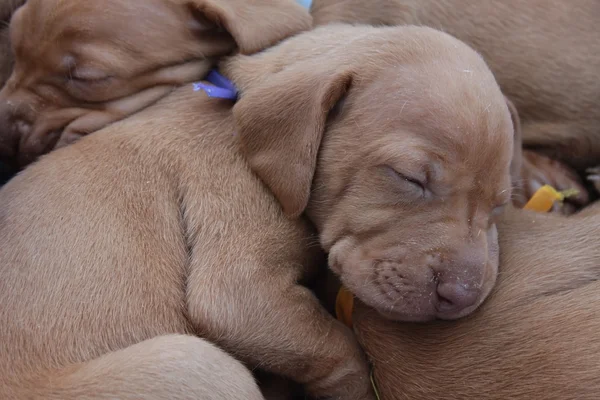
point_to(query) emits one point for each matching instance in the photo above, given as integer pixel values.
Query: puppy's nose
(455, 297)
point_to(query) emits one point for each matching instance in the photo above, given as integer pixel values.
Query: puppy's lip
(451, 316)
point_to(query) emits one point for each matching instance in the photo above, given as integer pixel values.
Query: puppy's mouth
(415, 294)
(420, 306)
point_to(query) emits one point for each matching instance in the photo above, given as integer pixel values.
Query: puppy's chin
(400, 317)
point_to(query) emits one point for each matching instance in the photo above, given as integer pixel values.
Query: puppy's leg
(259, 313)
(174, 367)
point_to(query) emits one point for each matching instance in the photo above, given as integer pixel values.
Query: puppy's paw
(593, 175)
(539, 170)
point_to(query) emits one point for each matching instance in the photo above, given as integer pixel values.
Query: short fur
(535, 338)
(158, 225)
(81, 65)
(545, 55)
(403, 177)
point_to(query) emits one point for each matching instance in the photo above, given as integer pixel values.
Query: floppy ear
(280, 124)
(254, 24)
(517, 159)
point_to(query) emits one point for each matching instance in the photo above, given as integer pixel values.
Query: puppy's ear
(517, 159)
(254, 24)
(281, 122)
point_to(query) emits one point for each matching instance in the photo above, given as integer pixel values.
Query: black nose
(455, 297)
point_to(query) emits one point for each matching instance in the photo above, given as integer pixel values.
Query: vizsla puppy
(545, 55)
(157, 227)
(81, 65)
(157, 224)
(535, 338)
(404, 179)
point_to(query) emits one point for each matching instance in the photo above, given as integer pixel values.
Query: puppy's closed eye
(409, 184)
(88, 76)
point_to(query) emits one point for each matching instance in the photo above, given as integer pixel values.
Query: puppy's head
(80, 65)
(398, 144)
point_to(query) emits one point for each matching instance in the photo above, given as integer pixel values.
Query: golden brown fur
(405, 176)
(544, 54)
(81, 65)
(154, 227)
(157, 225)
(535, 338)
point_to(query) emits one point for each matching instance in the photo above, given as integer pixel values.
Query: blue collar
(223, 88)
(220, 88)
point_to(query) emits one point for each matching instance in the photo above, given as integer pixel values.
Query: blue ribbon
(221, 87)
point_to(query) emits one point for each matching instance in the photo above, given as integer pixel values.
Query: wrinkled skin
(405, 179)
(96, 63)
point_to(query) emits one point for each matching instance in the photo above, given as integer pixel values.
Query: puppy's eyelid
(89, 75)
(420, 183)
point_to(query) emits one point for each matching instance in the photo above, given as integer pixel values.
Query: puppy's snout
(459, 283)
(455, 297)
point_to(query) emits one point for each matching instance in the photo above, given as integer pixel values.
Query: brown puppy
(535, 338)
(92, 63)
(404, 179)
(544, 54)
(157, 225)
(115, 243)
(186, 241)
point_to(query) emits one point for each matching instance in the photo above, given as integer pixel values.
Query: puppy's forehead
(457, 108)
(48, 22)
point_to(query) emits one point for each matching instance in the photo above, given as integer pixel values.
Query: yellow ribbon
(545, 197)
(344, 305)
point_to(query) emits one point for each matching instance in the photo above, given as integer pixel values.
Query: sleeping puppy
(93, 63)
(404, 177)
(159, 225)
(544, 54)
(535, 338)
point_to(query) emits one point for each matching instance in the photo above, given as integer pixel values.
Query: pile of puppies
(163, 240)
